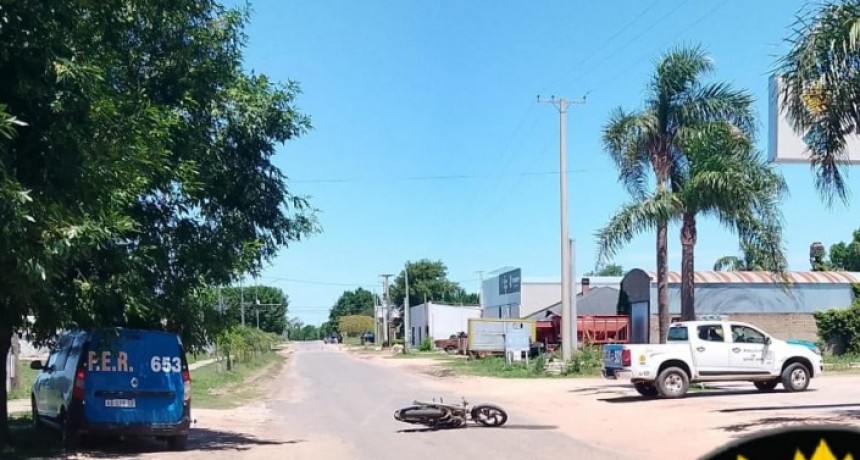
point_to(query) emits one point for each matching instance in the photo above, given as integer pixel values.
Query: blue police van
(115, 381)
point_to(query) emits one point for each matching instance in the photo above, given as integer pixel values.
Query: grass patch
(26, 377)
(842, 363)
(27, 443)
(586, 362)
(214, 387)
(422, 354)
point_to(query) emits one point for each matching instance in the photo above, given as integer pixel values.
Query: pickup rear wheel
(795, 377)
(767, 385)
(647, 390)
(673, 383)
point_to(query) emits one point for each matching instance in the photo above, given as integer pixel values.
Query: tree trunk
(688, 245)
(5, 345)
(662, 279)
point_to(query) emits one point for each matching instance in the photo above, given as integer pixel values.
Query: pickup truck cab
(712, 351)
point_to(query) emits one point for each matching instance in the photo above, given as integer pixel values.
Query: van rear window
(678, 334)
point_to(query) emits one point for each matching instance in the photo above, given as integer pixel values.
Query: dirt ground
(612, 415)
(601, 413)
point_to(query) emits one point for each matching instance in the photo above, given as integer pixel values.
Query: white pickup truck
(712, 351)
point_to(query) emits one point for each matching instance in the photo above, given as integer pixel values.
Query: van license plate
(119, 403)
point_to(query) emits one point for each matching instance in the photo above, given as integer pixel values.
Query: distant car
(368, 337)
(115, 382)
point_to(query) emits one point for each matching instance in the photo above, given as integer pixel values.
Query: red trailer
(594, 330)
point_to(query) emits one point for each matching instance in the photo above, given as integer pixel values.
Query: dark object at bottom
(833, 442)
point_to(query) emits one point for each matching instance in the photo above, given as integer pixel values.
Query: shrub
(586, 360)
(840, 328)
(426, 345)
(244, 344)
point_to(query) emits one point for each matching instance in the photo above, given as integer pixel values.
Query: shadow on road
(506, 427)
(774, 422)
(789, 407)
(696, 394)
(201, 439)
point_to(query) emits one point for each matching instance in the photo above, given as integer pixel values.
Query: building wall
(440, 321)
(724, 299)
(781, 325)
(537, 296)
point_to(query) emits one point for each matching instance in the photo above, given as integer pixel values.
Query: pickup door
(749, 353)
(711, 350)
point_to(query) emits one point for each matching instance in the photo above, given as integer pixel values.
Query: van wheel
(646, 390)
(795, 377)
(673, 383)
(767, 385)
(178, 442)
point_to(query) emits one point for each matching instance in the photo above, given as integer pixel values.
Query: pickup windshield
(677, 334)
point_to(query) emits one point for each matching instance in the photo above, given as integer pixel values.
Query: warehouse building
(439, 321)
(507, 294)
(784, 310)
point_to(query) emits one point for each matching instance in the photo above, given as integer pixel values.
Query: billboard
(502, 291)
(785, 145)
(490, 334)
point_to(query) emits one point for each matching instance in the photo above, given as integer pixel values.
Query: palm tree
(752, 259)
(647, 141)
(821, 88)
(725, 177)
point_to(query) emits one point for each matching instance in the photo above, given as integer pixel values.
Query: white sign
(491, 334)
(785, 144)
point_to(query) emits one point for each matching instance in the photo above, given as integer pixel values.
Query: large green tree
(646, 143)
(357, 302)
(607, 270)
(267, 304)
(143, 173)
(821, 87)
(842, 256)
(428, 280)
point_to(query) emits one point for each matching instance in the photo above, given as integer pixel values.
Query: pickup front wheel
(673, 383)
(795, 377)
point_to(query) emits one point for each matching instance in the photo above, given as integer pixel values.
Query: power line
(665, 43)
(416, 178)
(323, 283)
(634, 39)
(604, 43)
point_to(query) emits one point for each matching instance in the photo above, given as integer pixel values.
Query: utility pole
(574, 313)
(568, 342)
(386, 306)
(407, 331)
(242, 298)
(481, 289)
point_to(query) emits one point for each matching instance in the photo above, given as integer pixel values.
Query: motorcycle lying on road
(440, 415)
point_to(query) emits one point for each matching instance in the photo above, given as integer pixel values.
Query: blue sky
(409, 96)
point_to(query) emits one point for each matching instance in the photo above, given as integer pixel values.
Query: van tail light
(80, 383)
(625, 357)
(186, 382)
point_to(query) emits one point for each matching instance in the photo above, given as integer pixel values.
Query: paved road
(342, 407)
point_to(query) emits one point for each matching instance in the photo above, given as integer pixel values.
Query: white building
(508, 295)
(439, 321)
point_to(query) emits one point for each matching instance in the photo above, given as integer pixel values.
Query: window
(744, 334)
(678, 334)
(711, 333)
(62, 352)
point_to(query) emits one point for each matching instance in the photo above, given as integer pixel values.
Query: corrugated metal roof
(766, 277)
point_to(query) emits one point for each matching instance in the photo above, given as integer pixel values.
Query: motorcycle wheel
(489, 415)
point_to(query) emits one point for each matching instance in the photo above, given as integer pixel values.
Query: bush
(426, 345)
(839, 328)
(244, 344)
(585, 361)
